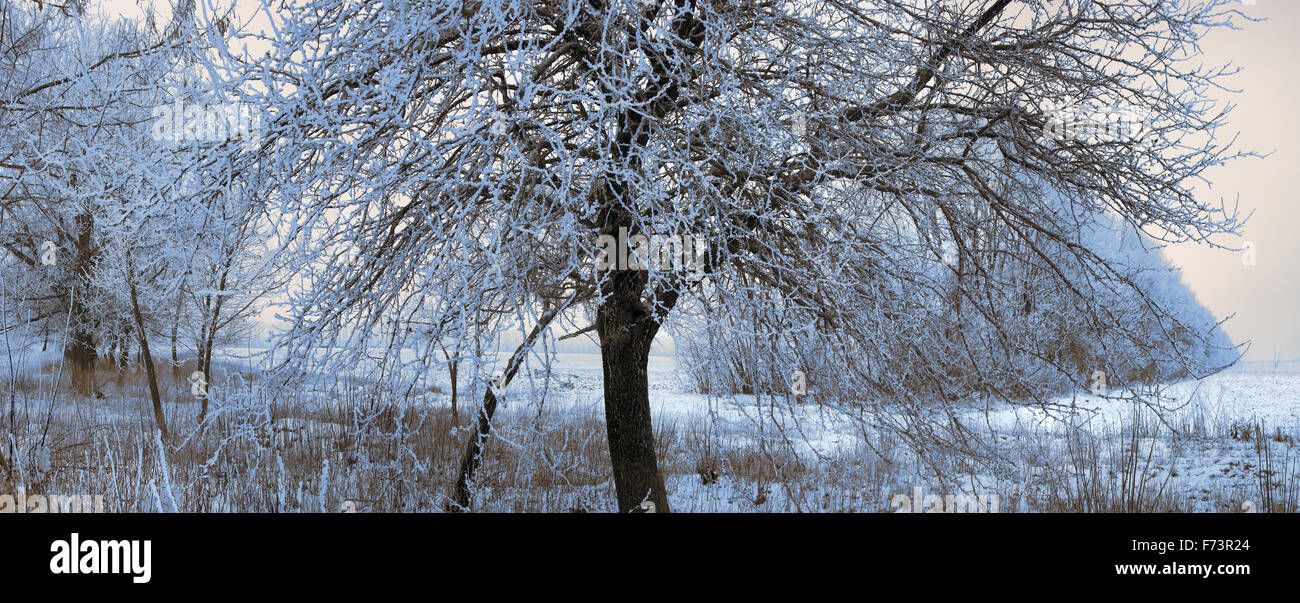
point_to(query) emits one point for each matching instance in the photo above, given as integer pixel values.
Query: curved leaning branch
(474, 447)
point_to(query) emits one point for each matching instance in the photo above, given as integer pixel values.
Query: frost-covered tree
(1031, 347)
(107, 128)
(825, 153)
(71, 87)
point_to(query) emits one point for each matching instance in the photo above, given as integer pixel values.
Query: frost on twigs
(452, 188)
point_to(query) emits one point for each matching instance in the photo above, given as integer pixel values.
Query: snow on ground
(25, 357)
(1259, 393)
(1246, 397)
(1217, 461)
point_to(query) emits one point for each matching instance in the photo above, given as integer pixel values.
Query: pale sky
(1263, 296)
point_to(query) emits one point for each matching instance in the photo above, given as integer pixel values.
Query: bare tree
(828, 153)
(71, 84)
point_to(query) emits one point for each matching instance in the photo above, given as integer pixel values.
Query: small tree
(825, 151)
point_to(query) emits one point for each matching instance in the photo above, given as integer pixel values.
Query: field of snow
(1202, 448)
(1217, 444)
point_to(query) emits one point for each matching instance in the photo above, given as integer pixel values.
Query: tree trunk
(81, 348)
(80, 351)
(124, 349)
(453, 363)
(625, 325)
(473, 457)
(207, 376)
(625, 337)
(210, 338)
(159, 419)
(176, 323)
(9, 472)
(203, 340)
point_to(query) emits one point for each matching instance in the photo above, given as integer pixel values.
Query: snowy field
(1212, 464)
(1225, 443)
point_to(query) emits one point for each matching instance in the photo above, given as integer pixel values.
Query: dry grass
(356, 446)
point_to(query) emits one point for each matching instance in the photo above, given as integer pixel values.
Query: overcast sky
(1263, 297)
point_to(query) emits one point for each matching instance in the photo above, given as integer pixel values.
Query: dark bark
(626, 331)
(453, 367)
(206, 367)
(473, 456)
(13, 406)
(176, 320)
(159, 419)
(203, 337)
(625, 325)
(81, 345)
(124, 348)
(209, 341)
